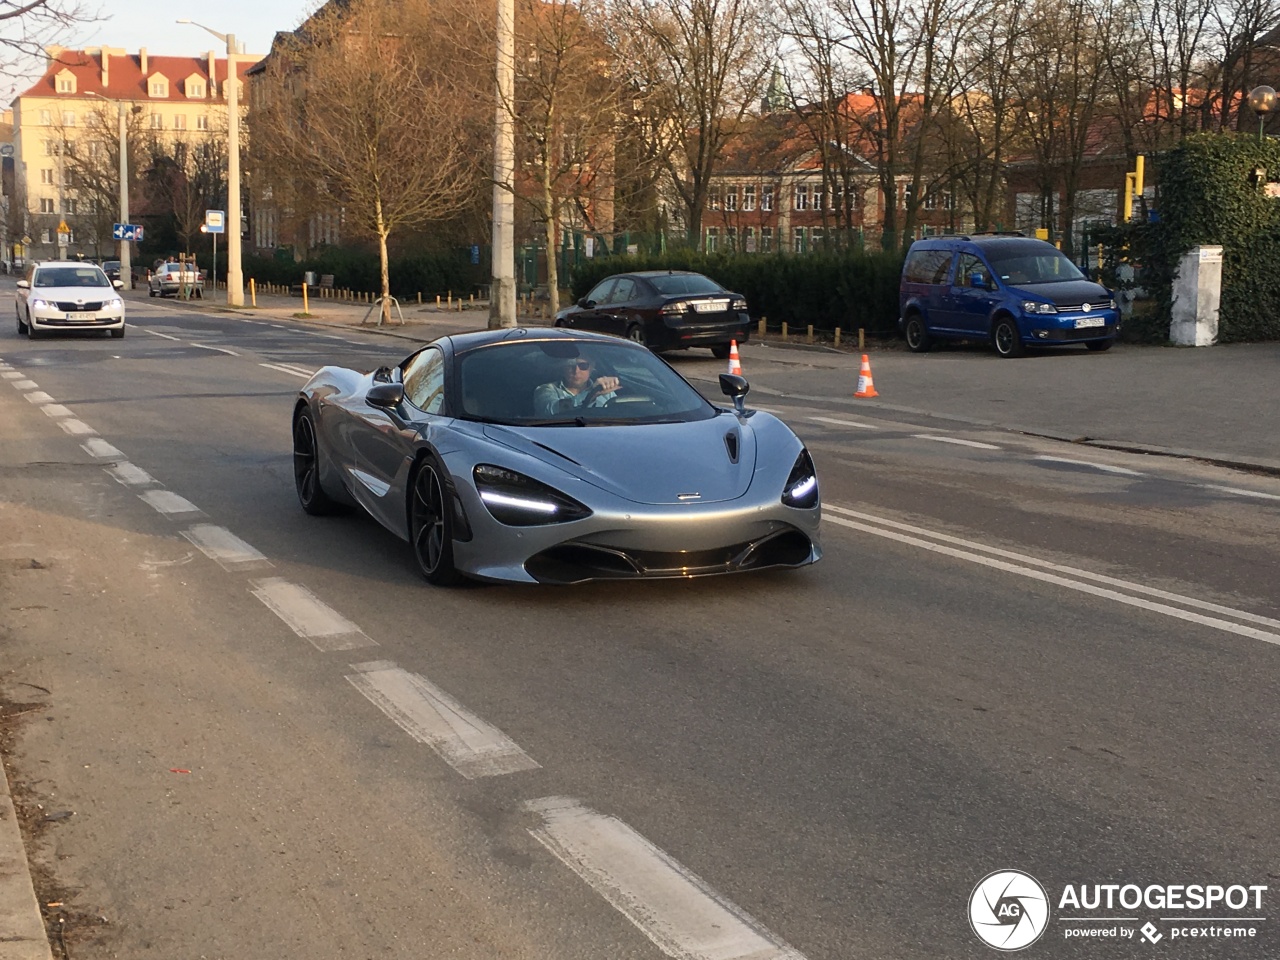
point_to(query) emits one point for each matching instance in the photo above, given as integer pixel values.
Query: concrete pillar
(1197, 292)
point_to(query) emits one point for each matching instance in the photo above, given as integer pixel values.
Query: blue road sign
(126, 231)
(215, 221)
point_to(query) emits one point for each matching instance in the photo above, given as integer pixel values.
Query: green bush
(1207, 195)
(353, 269)
(846, 289)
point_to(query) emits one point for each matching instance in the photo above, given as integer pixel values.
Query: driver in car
(575, 388)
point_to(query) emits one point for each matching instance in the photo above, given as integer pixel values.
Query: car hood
(1068, 293)
(646, 463)
(73, 294)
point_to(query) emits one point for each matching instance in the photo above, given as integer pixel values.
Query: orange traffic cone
(735, 365)
(865, 387)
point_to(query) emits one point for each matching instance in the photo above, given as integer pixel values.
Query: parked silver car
(176, 279)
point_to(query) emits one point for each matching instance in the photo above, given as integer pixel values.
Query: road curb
(22, 932)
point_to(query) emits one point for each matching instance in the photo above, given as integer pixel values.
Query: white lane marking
(97, 447)
(157, 334)
(168, 502)
(429, 715)
(308, 617)
(281, 368)
(955, 440)
(1105, 467)
(55, 410)
(845, 423)
(130, 474)
(205, 346)
(1089, 588)
(24, 384)
(11, 374)
(39, 397)
(1241, 492)
(77, 428)
(672, 906)
(223, 547)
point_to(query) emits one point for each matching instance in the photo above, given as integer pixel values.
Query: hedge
(846, 289)
(425, 273)
(1207, 195)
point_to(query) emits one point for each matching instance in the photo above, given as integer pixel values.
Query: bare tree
(696, 67)
(361, 113)
(27, 26)
(185, 175)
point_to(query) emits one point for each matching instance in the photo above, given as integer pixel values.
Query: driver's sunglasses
(580, 364)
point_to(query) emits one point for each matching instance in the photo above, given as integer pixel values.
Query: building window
(68, 118)
(801, 239)
(46, 118)
(713, 198)
(749, 197)
(749, 240)
(931, 201)
(157, 121)
(46, 175)
(196, 91)
(46, 205)
(802, 196)
(731, 238)
(731, 198)
(766, 239)
(819, 196)
(766, 198)
(816, 237)
(159, 87)
(46, 235)
(66, 84)
(180, 122)
(948, 201)
(713, 239)
(202, 122)
(91, 205)
(68, 206)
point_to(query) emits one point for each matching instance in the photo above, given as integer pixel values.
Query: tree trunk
(553, 268)
(381, 223)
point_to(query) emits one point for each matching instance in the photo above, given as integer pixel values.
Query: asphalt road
(1016, 654)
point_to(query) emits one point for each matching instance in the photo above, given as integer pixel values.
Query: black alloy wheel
(635, 333)
(917, 334)
(306, 466)
(431, 526)
(720, 351)
(1006, 338)
(118, 334)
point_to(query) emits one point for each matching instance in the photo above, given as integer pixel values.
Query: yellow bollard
(419, 297)
(253, 292)
(862, 339)
(784, 329)
(437, 301)
(760, 328)
(808, 336)
(305, 308)
(837, 336)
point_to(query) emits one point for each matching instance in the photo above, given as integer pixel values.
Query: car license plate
(710, 306)
(82, 316)
(1091, 322)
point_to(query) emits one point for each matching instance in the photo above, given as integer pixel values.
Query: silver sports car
(552, 457)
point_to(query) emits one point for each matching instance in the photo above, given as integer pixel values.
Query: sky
(145, 23)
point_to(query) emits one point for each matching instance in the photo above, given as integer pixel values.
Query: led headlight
(520, 501)
(1035, 306)
(39, 304)
(801, 488)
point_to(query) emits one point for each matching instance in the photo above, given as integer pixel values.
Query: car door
(615, 315)
(973, 304)
(385, 441)
(588, 317)
(24, 292)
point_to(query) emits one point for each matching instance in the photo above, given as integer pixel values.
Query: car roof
(64, 263)
(667, 273)
(461, 342)
(993, 242)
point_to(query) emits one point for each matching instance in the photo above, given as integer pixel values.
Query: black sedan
(663, 309)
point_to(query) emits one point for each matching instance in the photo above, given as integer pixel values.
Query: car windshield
(1034, 265)
(111, 265)
(70, 277)
(531, 383)
(678, 283)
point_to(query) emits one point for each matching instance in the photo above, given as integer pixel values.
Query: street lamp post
(235, 277)
(1262, 100)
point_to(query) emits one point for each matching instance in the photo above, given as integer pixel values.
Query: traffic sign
(126, 231)
(63, 228)
(6, 150)
(215, 221)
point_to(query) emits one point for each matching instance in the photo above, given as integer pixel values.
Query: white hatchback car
(68, 295)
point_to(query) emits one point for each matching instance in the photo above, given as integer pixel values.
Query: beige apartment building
(68, 122)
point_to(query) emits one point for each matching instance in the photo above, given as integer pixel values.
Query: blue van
(1013, 290)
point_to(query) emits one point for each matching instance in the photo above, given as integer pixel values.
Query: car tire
(720, 351)
(1006, 338)
(22, 327)
(560, 323)
(306, 467)
(32, 332)
(117, 334)
(635, 333)
(431, 524)
(1099, 346)
(150, 292)
(917, 334)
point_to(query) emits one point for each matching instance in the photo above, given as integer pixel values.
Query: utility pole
(126, 246)
(502, 291)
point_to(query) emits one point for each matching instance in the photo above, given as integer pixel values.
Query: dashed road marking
(845, 423)
(1104, 467)
(1241, 492)
(224, 548)
(289, 369)
(97, 447)
(168, 502)
(77, 428)
(156, 333)
(673, 907)
(956, 440)
(38, 397)
(309, 617)
(24, 384)
(130, 474)
(471, 746)
(205, 346)
(55, 410)
(11, 374)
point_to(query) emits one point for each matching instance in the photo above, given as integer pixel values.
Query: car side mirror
(586, 304)
(23, 285)
(118, 284)
(732, 385)
(385, 395)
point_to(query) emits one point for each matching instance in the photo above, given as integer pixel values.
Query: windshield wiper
(575, 422)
